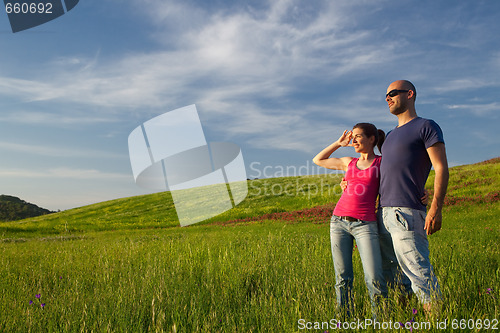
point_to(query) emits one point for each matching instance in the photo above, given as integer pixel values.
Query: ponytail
(381, 139)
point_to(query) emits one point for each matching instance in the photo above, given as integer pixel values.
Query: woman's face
(361, 143)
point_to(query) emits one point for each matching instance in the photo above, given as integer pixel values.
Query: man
(408, 153)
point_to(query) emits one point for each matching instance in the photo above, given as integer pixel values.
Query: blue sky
(282, 79)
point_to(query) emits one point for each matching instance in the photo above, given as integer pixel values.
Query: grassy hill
(266, 196)
(125, 265)
(12, 208)
(305, 198)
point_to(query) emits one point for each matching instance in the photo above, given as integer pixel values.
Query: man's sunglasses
(394, 92)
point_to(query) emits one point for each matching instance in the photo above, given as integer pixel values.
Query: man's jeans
(403, 240)
(342, 234)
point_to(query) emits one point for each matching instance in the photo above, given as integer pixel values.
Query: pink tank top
(358, 200)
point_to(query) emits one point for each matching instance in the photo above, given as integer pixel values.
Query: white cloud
(242, 53)
(223, 61)
(53, 119)
(64, 173)
(230, 62)
(44, 150)
(478, 109)
(463, 84)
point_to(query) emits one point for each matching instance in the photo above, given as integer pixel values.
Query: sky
(282, 79)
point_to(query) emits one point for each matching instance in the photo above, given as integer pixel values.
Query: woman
(354, 215)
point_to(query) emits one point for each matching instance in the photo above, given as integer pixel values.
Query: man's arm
(437, 154)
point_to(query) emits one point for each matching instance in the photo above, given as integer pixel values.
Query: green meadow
(265, 266)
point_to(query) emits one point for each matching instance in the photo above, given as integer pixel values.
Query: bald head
(405, 85)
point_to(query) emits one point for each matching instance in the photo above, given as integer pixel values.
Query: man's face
(398, 103)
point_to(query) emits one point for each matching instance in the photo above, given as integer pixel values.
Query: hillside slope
(12, 208)
(291, 199)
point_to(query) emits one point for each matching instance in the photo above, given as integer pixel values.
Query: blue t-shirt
(405, 163)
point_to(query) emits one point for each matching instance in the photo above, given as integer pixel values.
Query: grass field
(265, 266)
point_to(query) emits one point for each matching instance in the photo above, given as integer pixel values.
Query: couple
(398, 241)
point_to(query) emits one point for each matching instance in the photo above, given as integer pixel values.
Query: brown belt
(349, 218)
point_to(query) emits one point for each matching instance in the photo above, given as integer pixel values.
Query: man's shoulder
(426, 122)
(430, 132)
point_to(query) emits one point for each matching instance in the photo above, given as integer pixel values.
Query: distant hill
(13, 208)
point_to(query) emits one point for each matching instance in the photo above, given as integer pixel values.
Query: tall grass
(115, 267)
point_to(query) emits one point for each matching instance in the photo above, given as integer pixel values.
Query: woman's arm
(324, 160)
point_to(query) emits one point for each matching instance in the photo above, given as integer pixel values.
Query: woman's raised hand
(324, 160)
(345, 138)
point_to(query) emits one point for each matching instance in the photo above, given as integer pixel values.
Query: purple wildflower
(488, 291)
(42, 305)
(38, 295)
(414, 311)
(31, 302)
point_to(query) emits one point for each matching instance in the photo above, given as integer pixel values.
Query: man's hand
(433, 221)
(343, 184)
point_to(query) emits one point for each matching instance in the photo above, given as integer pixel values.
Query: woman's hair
(370, 130)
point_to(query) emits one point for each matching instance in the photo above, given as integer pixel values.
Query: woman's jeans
(342, 234)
